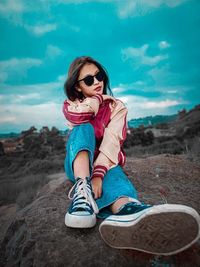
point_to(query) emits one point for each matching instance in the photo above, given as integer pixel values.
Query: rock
(38, 236)
(7, 214)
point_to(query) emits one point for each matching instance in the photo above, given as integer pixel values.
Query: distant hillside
(14, 135)
(180, 135)
(187, 124)
(151, 120)
(9, 135)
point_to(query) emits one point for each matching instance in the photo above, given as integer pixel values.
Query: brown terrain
(37, 236)
(163, 163)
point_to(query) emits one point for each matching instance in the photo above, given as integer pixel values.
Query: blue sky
(150, 49)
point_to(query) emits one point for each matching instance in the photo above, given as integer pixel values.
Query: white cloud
(53, 51)
(118, 89)
(62, 78)
(17, 67)
(16, 114)
(50, 86)
(127, 9)
(7, 119)
(139, 106)
(122, 88)
(18, 98)
(171, 92)
(160, 104)
(9, 6)
(23, 98)
(18, 63)
(13, 11)
(33, 93)
(41, 29)
(139, 56)
(38, 115)
(3, 77)
(163, 75)
(164, 45)
(130, 8)
(177, 90)
(142, 106)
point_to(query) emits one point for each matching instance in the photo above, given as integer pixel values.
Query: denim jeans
(115, 183)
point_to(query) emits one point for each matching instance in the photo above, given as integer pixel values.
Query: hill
(181, 135)
(8, 135)
(151, 120)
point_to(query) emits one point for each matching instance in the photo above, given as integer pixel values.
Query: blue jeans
(115, 183)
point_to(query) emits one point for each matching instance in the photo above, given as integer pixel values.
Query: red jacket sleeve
(77, 112)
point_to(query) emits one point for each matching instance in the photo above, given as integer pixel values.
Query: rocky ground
(37, 236)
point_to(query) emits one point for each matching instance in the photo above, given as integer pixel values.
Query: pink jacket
(108, 117)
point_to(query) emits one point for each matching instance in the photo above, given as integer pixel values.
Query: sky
(150, 49)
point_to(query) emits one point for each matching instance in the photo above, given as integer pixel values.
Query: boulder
(37, 236)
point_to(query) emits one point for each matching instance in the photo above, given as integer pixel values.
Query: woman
(94, 160)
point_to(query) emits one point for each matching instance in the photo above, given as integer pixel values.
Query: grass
(22, 177)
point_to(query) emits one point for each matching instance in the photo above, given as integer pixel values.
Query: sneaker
(83, 209)
(132, 207)
(161, 229)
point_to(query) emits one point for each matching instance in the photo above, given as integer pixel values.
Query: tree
(2, 152)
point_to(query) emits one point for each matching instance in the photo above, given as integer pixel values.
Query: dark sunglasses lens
(100, 76)
(89, 80)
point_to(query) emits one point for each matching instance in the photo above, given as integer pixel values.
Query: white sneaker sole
(163, 229)
(78, 221)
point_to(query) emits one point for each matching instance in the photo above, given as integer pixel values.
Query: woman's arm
(114, 136)
(77, 112)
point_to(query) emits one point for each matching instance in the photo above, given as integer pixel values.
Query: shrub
(193, 148)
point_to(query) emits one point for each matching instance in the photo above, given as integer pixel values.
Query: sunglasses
(89, 80)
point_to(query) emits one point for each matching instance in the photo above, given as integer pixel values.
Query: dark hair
(73, 74)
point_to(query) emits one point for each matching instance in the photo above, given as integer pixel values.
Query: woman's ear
(78, 89)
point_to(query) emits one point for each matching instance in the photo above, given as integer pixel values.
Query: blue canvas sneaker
(161, 229)
(132, 207)
(83, 209)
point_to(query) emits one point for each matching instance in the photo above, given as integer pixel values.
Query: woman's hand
(106, 97)
(97, 187)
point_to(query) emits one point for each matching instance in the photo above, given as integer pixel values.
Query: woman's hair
(73, 74)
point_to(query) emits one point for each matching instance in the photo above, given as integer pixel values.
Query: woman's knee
(85, 128)
(83, 132)
(81, 138)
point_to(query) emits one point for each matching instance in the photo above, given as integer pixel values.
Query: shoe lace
(81, 193)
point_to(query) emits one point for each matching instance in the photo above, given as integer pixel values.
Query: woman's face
(93, 84)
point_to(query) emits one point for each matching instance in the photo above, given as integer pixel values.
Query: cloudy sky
(150, 49)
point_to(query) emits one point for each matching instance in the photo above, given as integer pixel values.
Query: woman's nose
(95, 80)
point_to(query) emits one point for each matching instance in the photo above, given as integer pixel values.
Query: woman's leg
(80, 152)
(115, 207)
(81, 165)
(117, 191)
(78, 167)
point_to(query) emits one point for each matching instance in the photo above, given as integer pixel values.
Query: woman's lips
(98, 88)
